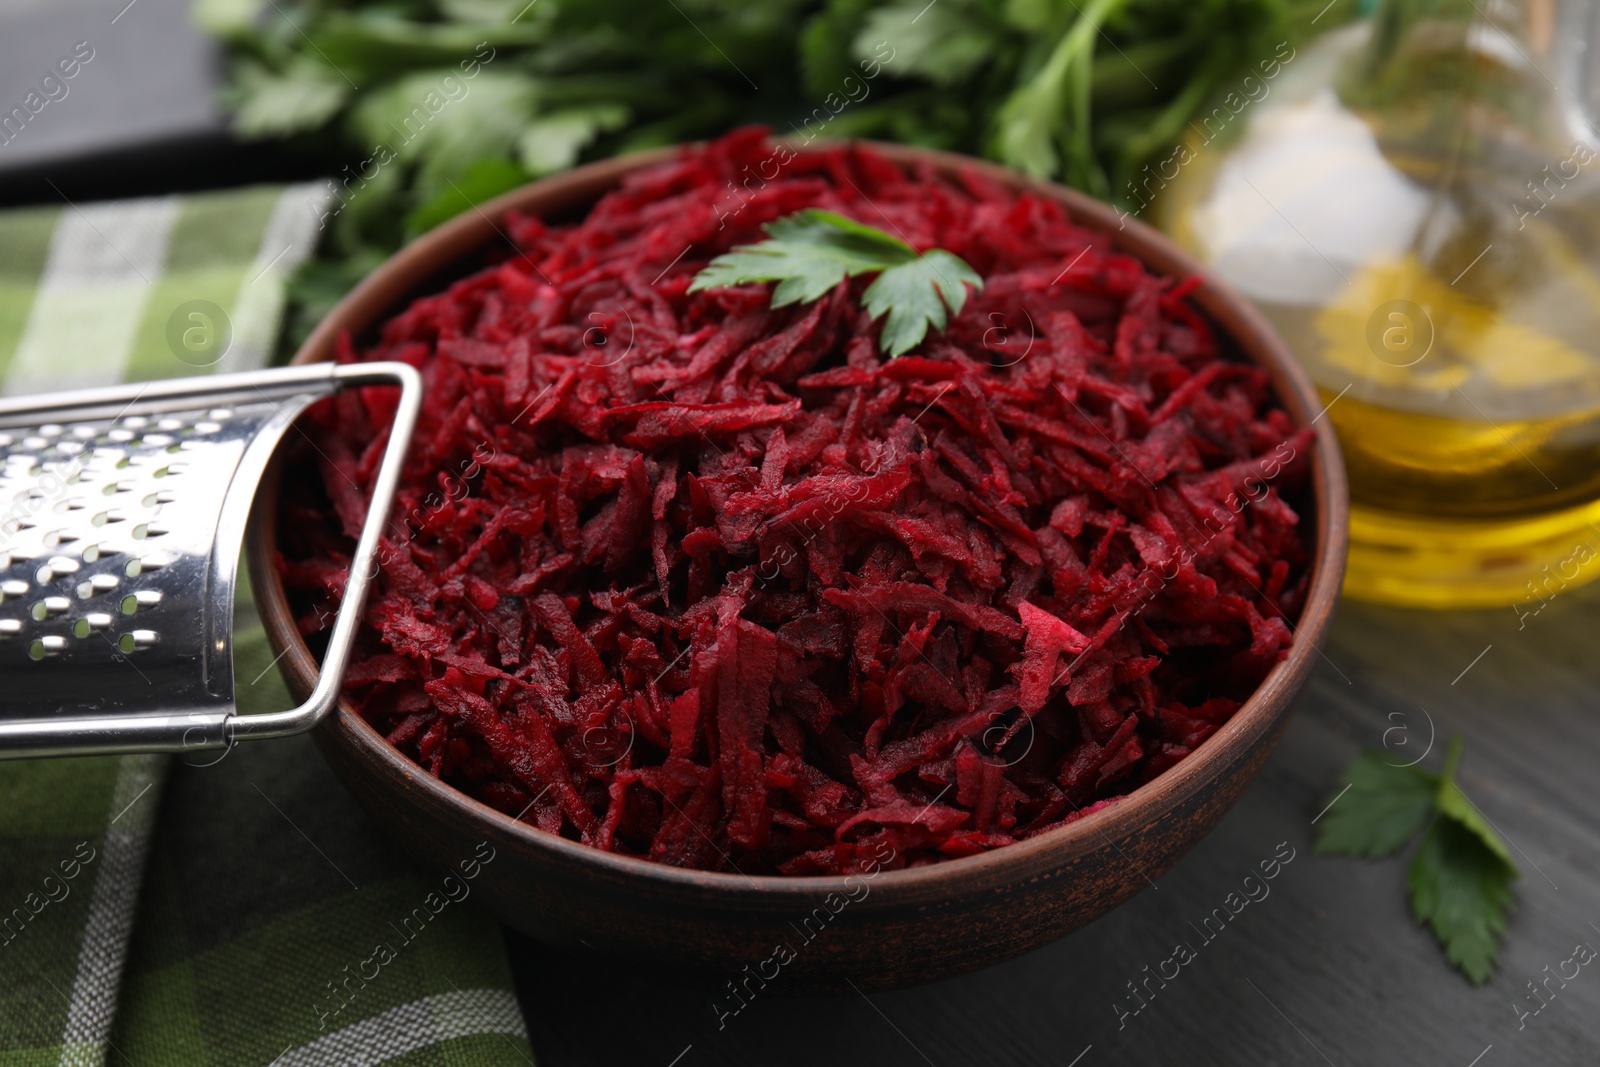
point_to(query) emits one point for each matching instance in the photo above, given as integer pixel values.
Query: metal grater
(122, 512)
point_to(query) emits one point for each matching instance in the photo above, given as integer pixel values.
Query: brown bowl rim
(394, 283)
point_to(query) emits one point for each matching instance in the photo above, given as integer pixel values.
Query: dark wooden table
(1329, 968)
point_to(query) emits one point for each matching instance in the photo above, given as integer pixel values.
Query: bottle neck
(1531, 65)
(1566, 45)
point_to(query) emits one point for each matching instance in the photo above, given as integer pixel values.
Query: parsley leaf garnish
(1460, 878)
(811, 251)
(1462, 889)
(1384, 808)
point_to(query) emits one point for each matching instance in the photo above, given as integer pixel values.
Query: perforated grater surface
(122, 512)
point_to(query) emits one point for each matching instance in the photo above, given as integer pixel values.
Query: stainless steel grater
(122, 512)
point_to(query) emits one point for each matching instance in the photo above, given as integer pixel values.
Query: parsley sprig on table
(1460, 878)
(811, 251)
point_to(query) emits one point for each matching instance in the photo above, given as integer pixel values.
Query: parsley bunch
(812, 251)
(1088, 92)
(1460, 878)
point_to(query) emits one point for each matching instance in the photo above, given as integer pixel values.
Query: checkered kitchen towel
(154, 913)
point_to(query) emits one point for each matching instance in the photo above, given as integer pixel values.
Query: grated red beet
(687, 578)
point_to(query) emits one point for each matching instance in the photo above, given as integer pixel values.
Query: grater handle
(111, 735)
(363, 565)
(199, 729)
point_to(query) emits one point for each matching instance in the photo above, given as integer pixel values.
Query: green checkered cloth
(156, 913)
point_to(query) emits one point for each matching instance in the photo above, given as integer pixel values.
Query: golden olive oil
(1436, 267)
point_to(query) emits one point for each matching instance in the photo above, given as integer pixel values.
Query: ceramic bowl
(896, 927)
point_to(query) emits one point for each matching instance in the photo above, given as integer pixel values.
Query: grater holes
(144, 599)
(99, 462)
(57, 567)
(44, 647)
(91, 623)
(98, 585)
(112, 526)
(137, 640)
(151, 562)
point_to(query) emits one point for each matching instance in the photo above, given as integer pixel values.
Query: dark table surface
(1328, 968)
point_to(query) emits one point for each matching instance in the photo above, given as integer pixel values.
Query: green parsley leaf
(1453, 804)
(1054, 106)
(231, 20)
(1383, 809)
(914, 296)
(814, 224)
(1460, 878)
(441, 136)
(267, 104)
(484, 180)
(810, 252)
(552, 142)
(1461, 888)
(944, 44)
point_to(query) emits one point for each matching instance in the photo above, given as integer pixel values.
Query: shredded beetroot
(687, 578)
